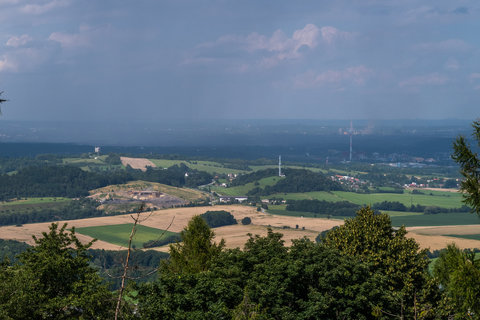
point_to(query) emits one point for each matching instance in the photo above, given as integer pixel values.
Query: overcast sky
(160, 60)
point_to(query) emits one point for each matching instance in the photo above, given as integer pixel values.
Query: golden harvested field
(236, 235)
(137, 163)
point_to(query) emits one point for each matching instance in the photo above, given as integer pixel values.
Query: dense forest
(295, 180)
(75, 209)
(340, 208)
(72, 182)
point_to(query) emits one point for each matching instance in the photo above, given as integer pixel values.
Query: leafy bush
(219, 218)
(246, 221)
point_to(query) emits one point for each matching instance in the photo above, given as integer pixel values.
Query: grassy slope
(119, 234)
(207, 166)
(242, 190)
(440, 219)
(31, 204)
(440, 199)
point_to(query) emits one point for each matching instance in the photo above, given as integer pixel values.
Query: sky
(155, 61)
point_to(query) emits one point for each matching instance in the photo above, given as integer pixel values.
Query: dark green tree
(372, 238)
(469, 168)
(54, 281)
(459, 275)
(197, 249)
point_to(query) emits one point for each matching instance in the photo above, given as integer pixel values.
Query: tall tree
(469, 167)
(372, 238)
(197, 249)
(459, 275)
(54, 280)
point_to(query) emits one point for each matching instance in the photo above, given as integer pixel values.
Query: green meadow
(436, 198)
(118, 234)
(440, 219)
(466, 236)
(30, 204)
(211, 167)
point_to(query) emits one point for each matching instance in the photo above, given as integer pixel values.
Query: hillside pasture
(31, 204)
(211, 167)
(244, 189)
(437, 198)
(440, 219)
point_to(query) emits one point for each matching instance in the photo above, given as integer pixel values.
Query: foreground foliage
(469, 163)
(54, 281)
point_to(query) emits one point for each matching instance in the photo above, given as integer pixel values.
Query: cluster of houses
(351, 182)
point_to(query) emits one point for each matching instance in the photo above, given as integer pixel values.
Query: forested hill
(295, 180)
(67, 181)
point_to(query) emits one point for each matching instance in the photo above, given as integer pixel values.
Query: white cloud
(18, 41)
(474, 76)
(452, 64)
(6, 64)
(8, 2)
(45, 7)
(269, 51)
(353, 75)
(283, 47)
(331, 34)
(70, 40)
(432, 79)
(456, 45)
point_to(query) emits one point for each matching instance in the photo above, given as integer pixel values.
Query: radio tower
(279, 166)
(350, 132)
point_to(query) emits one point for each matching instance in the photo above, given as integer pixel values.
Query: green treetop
(470, 168)
(54, 280)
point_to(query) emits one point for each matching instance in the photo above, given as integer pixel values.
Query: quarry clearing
(137, 163)
(236, 235)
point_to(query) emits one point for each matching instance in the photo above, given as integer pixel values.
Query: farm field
(137, 163)
(440, 219)
(30, 204)
(119, 234)
(236, 235)
(465, 236)
(207, 166)
(438, 198)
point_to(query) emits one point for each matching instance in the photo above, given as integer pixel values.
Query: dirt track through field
(236, 235)
(137, 163)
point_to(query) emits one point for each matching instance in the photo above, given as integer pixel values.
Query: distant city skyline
(71, 60)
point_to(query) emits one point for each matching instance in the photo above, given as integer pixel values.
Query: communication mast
(280, 174)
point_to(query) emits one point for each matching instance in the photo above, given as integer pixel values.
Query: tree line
(341, 208)
(73, 182)
(297, 180)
